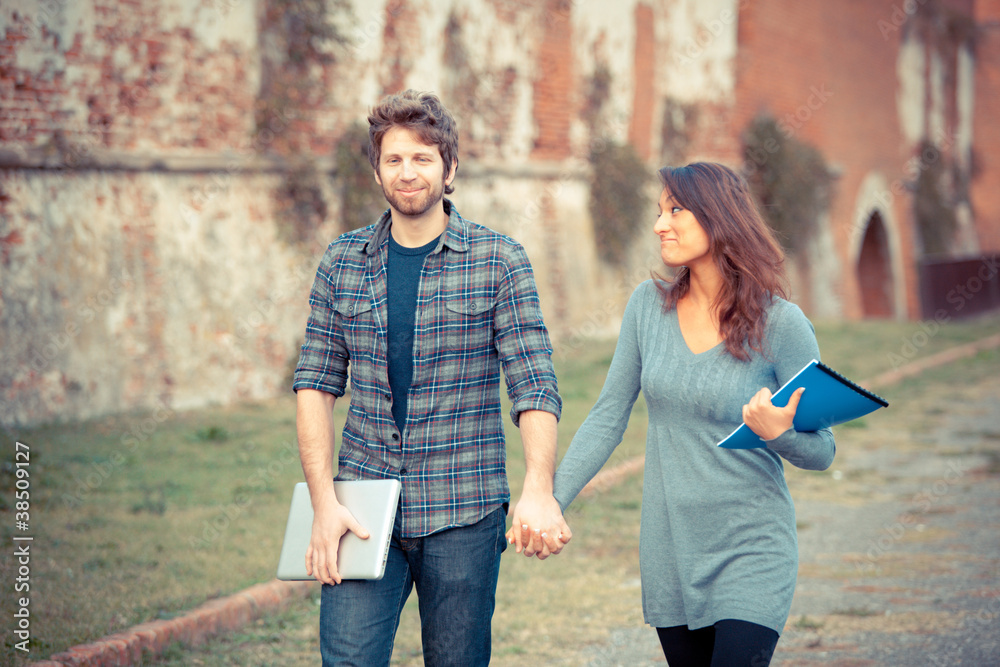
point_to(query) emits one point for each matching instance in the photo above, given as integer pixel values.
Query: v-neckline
(680, 332)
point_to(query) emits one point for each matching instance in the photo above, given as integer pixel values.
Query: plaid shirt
(477, 309)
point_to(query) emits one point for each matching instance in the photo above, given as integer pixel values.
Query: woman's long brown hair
(744, 247)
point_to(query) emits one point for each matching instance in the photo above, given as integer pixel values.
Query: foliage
(296, 36)
(213, 434)
(598, 93)
(618, 201)
(300, 205)
(932, 206)
(678, 117)
(939, 186)
(310, 28)
(941, 24)
(790, 180)
(299, 40)
(361, 199)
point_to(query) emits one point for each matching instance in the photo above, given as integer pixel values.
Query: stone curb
(606, 479)
(939, 359)
(142, 642)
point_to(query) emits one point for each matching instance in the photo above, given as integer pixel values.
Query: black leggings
(728, 643)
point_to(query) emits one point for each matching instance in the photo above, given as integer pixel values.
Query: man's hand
(329, 525)
(538, 528)
(314, 424)
(538, 520)
(766, 420)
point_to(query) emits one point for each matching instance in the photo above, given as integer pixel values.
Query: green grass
(806, 623)
(862, 350)
(859, 612)
(144, 516)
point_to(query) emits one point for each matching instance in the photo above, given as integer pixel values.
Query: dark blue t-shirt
(403, 282)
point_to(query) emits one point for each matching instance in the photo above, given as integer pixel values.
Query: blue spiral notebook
(829, 399)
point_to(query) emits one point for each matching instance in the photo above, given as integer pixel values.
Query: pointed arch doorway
(874, 271)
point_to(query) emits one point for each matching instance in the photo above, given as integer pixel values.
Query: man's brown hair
(421, 113)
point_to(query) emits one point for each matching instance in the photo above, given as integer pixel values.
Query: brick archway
(875, 252)
(874, 271)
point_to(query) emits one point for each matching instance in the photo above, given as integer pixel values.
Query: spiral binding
(856, 387)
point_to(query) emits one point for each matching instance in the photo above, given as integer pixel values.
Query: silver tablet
(372, 502)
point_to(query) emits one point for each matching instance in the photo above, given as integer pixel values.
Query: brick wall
(399, 38)
(826, 74)
(553, 103)
(640, 129)
(149, 76)
(829, 72)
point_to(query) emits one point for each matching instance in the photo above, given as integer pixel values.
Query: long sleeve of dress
(794, 345)
(605, 425)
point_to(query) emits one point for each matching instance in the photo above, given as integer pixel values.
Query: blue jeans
(455, 573)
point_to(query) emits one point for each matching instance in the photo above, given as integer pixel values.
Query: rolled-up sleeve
(324, 358)
(522, 341)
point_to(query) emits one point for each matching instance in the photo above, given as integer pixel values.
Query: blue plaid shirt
(477, 310)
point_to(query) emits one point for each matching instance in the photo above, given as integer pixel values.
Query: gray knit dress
(717, 536)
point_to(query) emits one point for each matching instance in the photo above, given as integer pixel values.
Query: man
(425, 307)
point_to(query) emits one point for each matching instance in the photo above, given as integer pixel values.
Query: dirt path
(899, 546)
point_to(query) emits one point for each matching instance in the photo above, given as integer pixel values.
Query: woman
(718, 550)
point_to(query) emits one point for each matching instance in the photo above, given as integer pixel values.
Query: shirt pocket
(351, 308)
(357, 322)
(468, 323)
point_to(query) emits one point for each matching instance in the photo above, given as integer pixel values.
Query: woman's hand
(766, 420)
(538, 528)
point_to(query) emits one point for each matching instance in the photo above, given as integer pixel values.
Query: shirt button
(350, 309)
(475, 307)
(402, 471)
(395, 437)
(388, 397)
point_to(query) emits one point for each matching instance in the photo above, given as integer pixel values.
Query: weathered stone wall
(147, 255)
(113, 301)
(143, 260)
(117, 296)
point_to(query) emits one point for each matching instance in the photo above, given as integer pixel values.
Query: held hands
(538, 527)
(766, 420)
(330, 524)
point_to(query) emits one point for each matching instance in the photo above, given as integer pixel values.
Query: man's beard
(417, 206)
